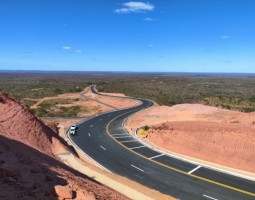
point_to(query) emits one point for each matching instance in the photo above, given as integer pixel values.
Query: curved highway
(105, 140)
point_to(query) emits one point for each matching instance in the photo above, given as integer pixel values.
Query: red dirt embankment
(28, 168)
(211, 134)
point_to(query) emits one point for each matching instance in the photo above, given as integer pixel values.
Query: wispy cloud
(134, 7)
(66, 48)
(224, 37)
(149, 19)
(150, 45)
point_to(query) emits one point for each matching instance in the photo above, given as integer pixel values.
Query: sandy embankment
(206, 133)
(114, 94)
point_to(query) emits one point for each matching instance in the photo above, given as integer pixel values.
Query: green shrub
(146, 128)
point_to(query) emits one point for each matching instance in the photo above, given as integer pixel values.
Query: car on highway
(72, 129)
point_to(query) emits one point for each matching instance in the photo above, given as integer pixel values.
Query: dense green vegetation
(235, 92)
(34, 85)
(230, 92)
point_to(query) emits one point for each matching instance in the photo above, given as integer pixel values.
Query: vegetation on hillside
(236, 92)
(52, 108)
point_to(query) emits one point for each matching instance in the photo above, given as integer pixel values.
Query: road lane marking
(209, 197)
(123, 136)
(173, 168)
(137, 168)
(91, 125)
(92, 160)
(136, 147)
(89, 135)
(119, 134)
(103, 148)
(190, 172)
(128, 141)
(156, 156)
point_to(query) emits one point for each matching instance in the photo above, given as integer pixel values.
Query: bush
(146, 128)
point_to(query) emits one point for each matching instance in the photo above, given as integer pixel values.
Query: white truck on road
(72, 129)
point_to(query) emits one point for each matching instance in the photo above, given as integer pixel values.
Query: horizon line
(150, 72)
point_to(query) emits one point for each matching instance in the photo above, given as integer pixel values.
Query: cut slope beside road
(211, 134)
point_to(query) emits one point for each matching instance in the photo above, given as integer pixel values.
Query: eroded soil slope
(28, 168)
(212, 134)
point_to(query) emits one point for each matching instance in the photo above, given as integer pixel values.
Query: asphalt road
(105, 140)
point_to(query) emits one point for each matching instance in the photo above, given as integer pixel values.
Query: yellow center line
(172, 168)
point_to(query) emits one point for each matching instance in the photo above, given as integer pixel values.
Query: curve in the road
(108, 143)
(173, 168)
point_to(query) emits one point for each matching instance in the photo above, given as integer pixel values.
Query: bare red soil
(229, 145)
(207, 133)
(28, 168)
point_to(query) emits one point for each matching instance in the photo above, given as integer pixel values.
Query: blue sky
(114, 35)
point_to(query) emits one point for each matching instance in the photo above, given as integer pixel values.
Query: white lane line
(119, 134)
(101, 166)
(136, 147)
(103, 148)
(123, 136)
(156, 156)
(137, 168)
(89, 135)
(209, 197)
(128, 141)
(194, 169)
(91, 125)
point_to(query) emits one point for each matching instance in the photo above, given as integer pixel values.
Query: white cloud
(149, 19)
(66, 48)
(224, 37)
(78, 51)
(151, 45)
(134, 7)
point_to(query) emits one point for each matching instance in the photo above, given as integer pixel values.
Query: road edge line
(175, 169)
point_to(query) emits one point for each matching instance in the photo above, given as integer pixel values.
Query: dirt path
(84, 96)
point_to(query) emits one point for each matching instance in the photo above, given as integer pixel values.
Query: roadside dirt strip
(77, 164)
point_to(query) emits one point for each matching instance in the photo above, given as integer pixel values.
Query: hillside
(28, 167)
(207, 133)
